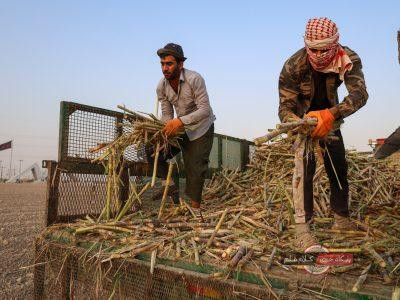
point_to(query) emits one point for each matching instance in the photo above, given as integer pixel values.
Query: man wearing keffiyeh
(308, 86)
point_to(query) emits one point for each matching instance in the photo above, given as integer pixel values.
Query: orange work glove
(325, 122)
(172, 126)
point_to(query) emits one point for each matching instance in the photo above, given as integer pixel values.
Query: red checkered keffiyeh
(321, 29)
(322, 34)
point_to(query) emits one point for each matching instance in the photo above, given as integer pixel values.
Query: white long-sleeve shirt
(191, 103)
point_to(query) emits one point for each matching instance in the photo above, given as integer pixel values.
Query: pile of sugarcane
(248, 219)
(247, 215)
(266, 187)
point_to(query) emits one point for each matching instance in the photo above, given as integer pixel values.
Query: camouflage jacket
(296, 86)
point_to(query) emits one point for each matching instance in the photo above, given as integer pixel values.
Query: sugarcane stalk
(361, 278)
(271, 259)
(345, 250)
(164, 197)
(128, 203)
(238, 256)
(266, 282)
(349, 232)
(153, 261)
(189, 209)
(259, 224)
(221, 220)
(396, 290)
(178, 250)
(99, 226)
(157, 153)
(283, 128)
(246, 258)
(196, 252)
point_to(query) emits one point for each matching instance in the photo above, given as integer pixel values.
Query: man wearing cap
(308, 86)
(185, 92)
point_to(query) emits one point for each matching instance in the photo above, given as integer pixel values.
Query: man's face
(170, 67)
(319, 53)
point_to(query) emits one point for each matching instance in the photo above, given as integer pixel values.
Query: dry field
(22, 208)
(21, 219)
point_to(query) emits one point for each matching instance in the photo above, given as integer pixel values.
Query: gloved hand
(325, 122)
(172, 126)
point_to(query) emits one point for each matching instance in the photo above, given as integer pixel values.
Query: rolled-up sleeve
(167, 109)
(201, 100)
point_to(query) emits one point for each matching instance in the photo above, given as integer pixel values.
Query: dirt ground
(21, 219)
(22, 209)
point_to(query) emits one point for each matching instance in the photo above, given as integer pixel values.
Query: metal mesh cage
(83, 127)
(64, 271)
(87, 129)
(67, 275)
(81, 194)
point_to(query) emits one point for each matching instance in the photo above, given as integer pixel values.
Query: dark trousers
(195, 158)
(339, 196)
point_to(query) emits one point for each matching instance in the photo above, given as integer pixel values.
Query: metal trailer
(76, 188)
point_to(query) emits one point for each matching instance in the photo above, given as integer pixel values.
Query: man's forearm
(335, 112)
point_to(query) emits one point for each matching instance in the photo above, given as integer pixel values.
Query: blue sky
(102, 53)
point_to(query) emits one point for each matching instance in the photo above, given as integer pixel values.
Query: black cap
(172, 49)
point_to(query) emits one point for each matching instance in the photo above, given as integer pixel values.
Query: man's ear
(180, 66)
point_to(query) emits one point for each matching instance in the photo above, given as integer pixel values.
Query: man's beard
(173, 75)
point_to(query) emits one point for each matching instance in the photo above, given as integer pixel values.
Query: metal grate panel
(66, 275)
(81, 194)
(86, 130)
(231, 154)
(83, 127)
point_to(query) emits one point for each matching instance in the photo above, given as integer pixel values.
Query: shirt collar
(182, 77)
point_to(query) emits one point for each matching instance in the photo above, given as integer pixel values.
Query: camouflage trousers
(336, 168)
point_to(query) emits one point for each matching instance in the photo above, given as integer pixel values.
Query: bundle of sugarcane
(140, 131)
(149, 130)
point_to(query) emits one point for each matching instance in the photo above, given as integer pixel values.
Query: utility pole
(398, 43)
(20, 163)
